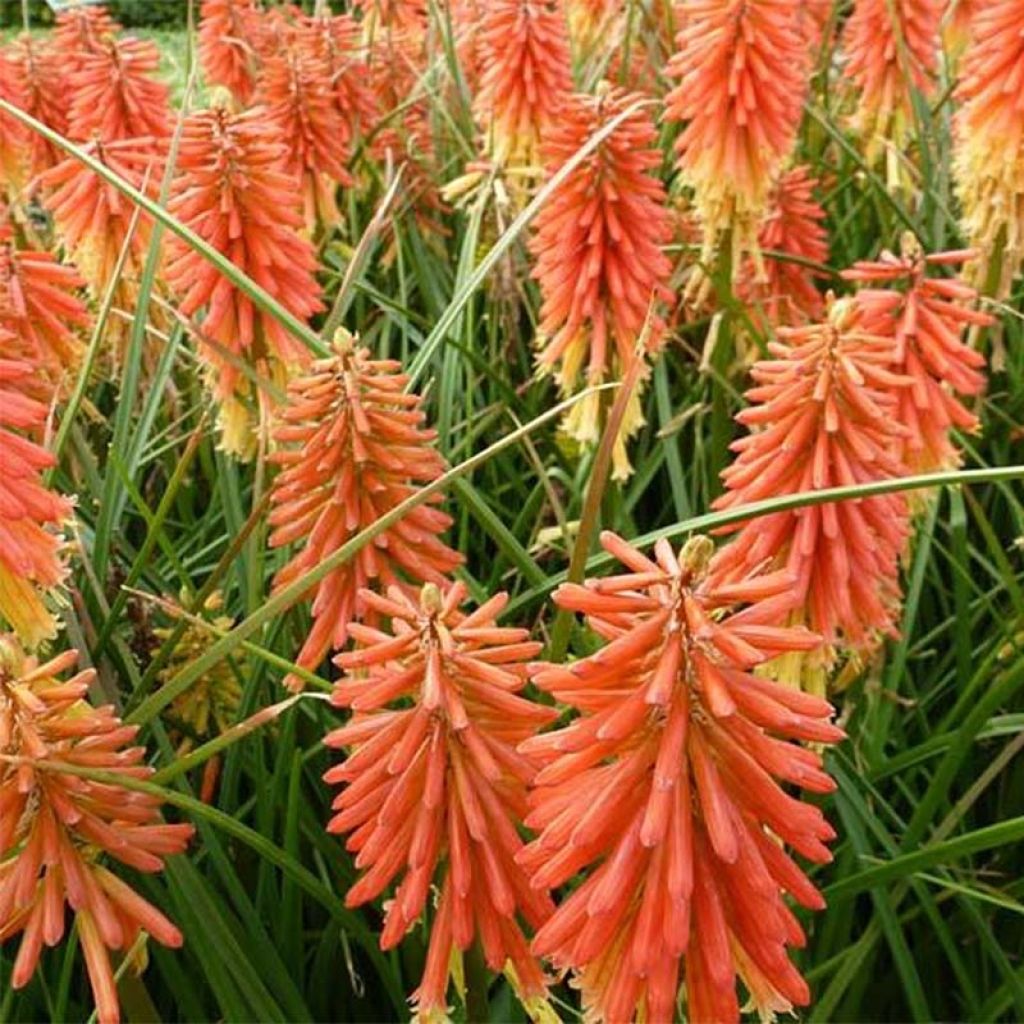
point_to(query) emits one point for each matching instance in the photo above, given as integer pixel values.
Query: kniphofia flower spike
(989, 144)
(353, 447)
(742, 67)
(30, 514)
(600, 265)
(434, 787)
(822, 413)
(665, 792)
(56, 825)
(927, 317)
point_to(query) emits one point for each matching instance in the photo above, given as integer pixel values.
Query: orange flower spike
(743, 68)
(40, 71)
(988, 159)
(353, 447)
(892, 48)
(14, 136)
(30, 515)
(39, 306)
(232, 188)
(296, 88)
(822, 414)
(665, 792)
(80, 31)
(526, 75)
(227, 45)
(597, 242)
(92, 218)
(793, 226)
(115, 97)
(926, 316)
(54, 825)
(434, 785)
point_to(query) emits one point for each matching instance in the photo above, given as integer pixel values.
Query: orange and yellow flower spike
(988, 159)
(742, 67)
(353, 447)
(892, 49)
(601, 269)
(55, 825)
(31, 515)
(666, 793)
(434, 786)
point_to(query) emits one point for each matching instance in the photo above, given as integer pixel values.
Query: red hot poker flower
(822, 414)
(892, 48)
(598, 246)
(55, 825)
(232, 189)
(93, 220)
(793, 226)
(526, 74)
(39, 306)
(926, 316)
(295, 86)
(742, 67)
(30, 515)
(988, 129)
(40, 74)
(354, 447)
(14, 136)
(82, 30)
(666, 792)
(114, 97)
(227, 45)
(434, 786)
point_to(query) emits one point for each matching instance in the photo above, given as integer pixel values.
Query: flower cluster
(30, 513)
(525, 77)
(353, 448)
(892, 50)
(926, 316)
(232, 188)
(57, 823)
(227, 45)
(666, 792)
(434, 786)
(822, 414)
(989, 151)
(598, 247)
(742, 67)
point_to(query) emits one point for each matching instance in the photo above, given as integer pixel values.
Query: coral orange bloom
(14, 136)
(525, 77)
(353, 447)
(55, 826)
(892, 48)
(93, 219)
(822, 414)
(434, 785)
(295, 86)
(989, 144)
(793, 227)
(742, 67)
(40, 74)
(599, 261)
(666, 793)
(38, 304)
(926, 316)
(232, 188)
(81, 30)
(30, 514)
(114, 97)
(227, 50)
